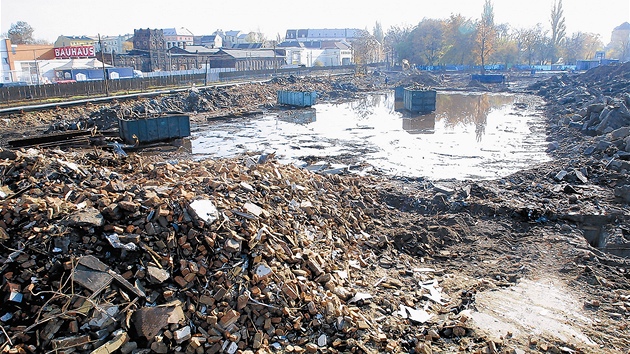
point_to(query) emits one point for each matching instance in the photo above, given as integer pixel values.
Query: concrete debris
(88, 217)
(419, 316)
(114, 344)
(149, 321)
(205, 210)
(237, 268)
(359, 297)
(114, 240)
(157, 275)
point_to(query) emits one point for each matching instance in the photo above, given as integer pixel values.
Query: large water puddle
(469, 136)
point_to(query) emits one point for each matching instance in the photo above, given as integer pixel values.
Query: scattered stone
(205, 210)
(157, 275)
(182, 335)
(88, 217)
(560, 175)
(148, 321)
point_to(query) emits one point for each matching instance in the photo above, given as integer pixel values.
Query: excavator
(405, 65)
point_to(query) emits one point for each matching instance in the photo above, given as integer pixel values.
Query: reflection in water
(454, 110)
(468, 109)
(299, 116)
(364, 107)
(467, 136)
(418, 123)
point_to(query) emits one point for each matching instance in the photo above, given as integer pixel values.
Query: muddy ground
(534, 262)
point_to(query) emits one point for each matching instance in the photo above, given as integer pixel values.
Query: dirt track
(513, 258)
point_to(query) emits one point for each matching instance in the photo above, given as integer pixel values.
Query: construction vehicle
(405, 65)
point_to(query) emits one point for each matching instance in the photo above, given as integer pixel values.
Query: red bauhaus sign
(75, 52)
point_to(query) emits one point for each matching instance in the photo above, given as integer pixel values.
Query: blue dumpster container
(419, 100)
(399, 92)
(297, 98)
(154, 129)
(489, 78)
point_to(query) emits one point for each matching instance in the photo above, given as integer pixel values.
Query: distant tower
(151, 41)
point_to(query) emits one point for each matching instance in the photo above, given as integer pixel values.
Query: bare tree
(20, 33)
(530, 41)
(428, 41)
(460, 40)
(619, 46)
(395, 45)
(558, 29)
(366, 49)
(624, 49)
(486, 34)
(378, 32)
(506, 51)
(256, 37)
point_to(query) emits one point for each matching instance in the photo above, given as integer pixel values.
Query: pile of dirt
(418, 78)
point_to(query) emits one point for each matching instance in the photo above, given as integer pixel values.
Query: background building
(73, 41)
(177, 37)
(314, 34)
(149, 43)
(113, 44)
(211, 41)
(22, 62)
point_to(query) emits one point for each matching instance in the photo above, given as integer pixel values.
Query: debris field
(103, 253)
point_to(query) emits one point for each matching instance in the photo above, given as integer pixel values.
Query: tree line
(458, 40)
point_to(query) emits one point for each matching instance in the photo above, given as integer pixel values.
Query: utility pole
(205, 82)
(36, 66)
(275, 63)
(100, 44)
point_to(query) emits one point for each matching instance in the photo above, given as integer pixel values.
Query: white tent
(83, 64)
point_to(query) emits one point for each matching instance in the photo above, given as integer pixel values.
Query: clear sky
(51, 18)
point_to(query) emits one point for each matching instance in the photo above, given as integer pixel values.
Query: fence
(35, 94)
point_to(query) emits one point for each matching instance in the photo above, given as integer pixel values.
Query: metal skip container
(154, 129)
(297, 98)
(419, 100)
(489, 78)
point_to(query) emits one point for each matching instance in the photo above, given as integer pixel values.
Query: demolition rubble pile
(419, 79)
(102, 253)
(593, 106)
(591, 119)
